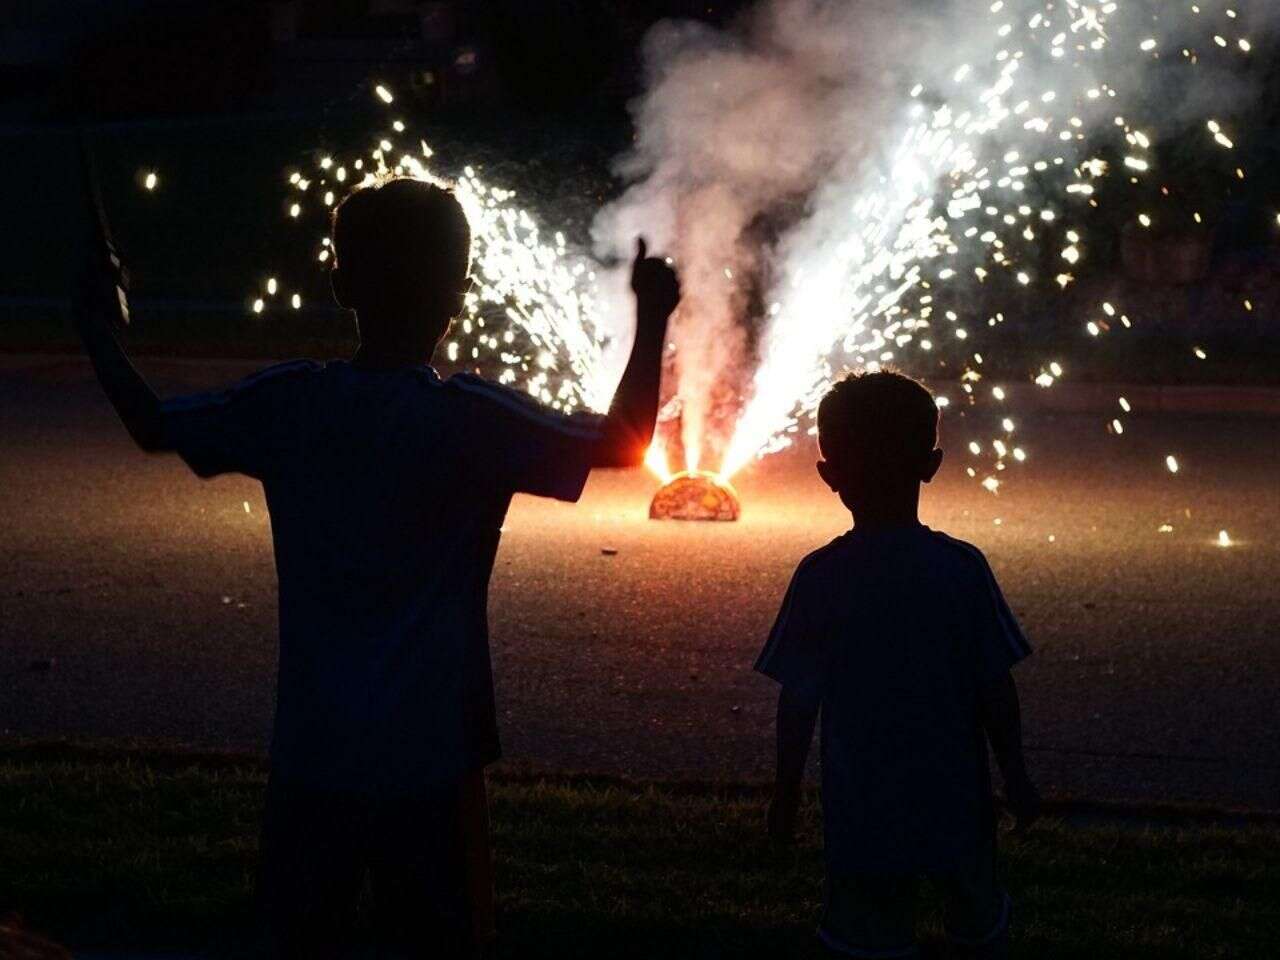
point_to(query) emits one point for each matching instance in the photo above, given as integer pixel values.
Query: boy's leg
(976, 909)
(418, 863)
(473, 822)
(311, 871)
(871, 916)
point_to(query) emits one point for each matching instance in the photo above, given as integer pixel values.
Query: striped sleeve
(236, 429)
(793, 653)
(526, 447)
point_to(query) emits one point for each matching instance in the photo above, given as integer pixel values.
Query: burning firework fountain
(839, 184)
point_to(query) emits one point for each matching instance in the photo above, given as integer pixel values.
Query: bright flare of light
(691, 457)
(1224, 539)
(655, 458)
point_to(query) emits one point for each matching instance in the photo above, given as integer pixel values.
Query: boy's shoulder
(827, 558)
(476, 387)
(964, 565)
(287, 368)
(848, 550)
(285, 375)
(249, 387)
(962, 550)
(279, 373)
(501, 401)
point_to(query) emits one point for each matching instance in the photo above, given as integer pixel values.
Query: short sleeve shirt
(387, 491)
(894, 633)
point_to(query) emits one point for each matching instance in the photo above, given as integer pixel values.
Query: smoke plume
(780, 164)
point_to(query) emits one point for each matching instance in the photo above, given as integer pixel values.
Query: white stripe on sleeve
(576, 427)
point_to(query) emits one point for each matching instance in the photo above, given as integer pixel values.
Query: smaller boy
(900, 636)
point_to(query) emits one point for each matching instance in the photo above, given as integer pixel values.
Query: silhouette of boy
(387, 488)
(900, 637)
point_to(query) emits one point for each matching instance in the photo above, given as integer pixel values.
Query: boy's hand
(1024, 803)
(628, 429)
(784, 809)
(656, 286)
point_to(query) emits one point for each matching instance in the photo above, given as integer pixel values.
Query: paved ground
(1157, 674)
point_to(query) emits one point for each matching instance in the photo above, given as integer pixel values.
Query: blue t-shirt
(387, 491)
(894, 633)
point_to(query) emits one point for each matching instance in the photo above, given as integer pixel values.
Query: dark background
(132, 57)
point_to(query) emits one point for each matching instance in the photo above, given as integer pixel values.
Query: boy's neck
(380, 351)
(381, 357)
(374, 359)
(887, 511)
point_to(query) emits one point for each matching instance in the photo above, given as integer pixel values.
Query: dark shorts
(321, 850)
(873, 915)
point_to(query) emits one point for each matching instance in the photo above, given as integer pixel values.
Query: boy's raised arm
(628, 428)
(98, 304)
(1001, 717)
(134, 400)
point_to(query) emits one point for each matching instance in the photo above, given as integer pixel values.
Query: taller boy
(387, 489)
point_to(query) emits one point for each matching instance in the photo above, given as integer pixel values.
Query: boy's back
(896, 631)
(387, 491)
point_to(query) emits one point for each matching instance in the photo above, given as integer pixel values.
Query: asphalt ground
(138, 602)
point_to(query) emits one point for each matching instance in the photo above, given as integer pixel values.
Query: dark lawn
(135, 850)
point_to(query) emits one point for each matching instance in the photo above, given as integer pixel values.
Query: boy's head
(878, 433)
(402, 251)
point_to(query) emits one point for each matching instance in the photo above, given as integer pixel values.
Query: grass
(134, 850)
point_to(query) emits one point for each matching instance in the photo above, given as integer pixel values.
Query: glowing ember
(695, 495)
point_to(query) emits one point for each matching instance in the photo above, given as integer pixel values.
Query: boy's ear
(338, 283)
(931, 465)
(829, 474)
